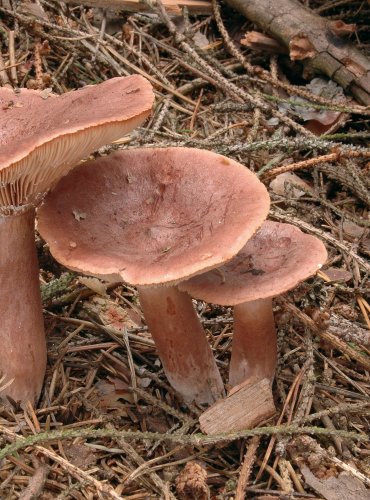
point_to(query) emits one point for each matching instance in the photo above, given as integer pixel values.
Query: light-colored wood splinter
(172, 6)
(247, 405)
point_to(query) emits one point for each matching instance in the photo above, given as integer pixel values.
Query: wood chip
(244, 408)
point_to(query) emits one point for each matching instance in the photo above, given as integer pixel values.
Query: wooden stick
(312, 40)
(4, 79)
(246, 468)
(12, 62)
(172, 6)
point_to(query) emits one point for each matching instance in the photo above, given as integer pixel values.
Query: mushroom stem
(22, 337)
(254, 342)
(182, 344)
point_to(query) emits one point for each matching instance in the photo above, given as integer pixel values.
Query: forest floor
(108, 425)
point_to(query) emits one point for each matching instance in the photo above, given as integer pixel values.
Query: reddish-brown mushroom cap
(153, 215)
(273, 261)
(42, 138)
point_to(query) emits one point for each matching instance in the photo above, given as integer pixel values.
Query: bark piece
(340, 28)
(289, 21)
(246, 406)
(348, 330)
(36, 484)
(343, 487)
(301, 48)
(322, 472)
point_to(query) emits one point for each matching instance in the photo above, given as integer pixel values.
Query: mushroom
(41, 139)
(273, 261)
(152, 218)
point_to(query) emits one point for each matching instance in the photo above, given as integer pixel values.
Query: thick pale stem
(182, 344)
(254, 342)
(22, 337)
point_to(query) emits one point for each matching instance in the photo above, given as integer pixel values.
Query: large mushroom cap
(42, 137)
(275, 260)
(153, 215)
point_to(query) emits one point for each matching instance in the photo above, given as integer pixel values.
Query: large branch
(312, 39)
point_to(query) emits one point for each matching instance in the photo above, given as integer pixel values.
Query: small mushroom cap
(42, 136)
(153, 216)
(273, 261)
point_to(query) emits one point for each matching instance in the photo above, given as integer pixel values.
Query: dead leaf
(94, 284)
(111, 390)
(200, 40)
(79, 455)
(321, 87)
(338, 274)
(283, 185)
(352, 229)
(318, 128)
(157, 423)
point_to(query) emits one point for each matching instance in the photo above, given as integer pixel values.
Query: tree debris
(246, 406)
